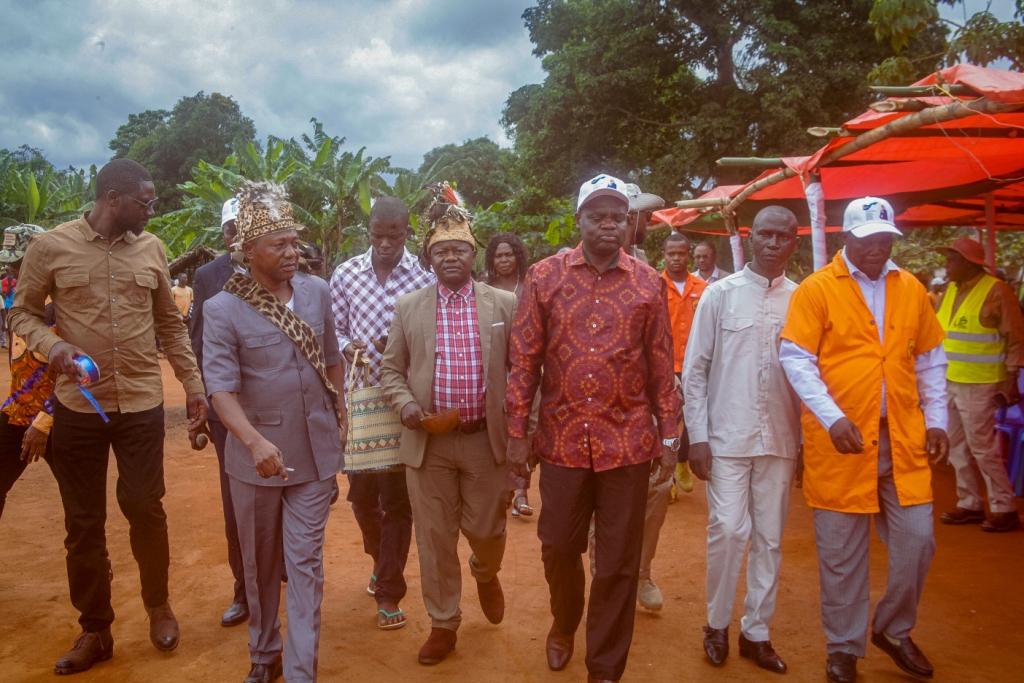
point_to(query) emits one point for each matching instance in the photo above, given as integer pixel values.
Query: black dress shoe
(559, 649)
(841, 667)
(763, 654)
(237, 613)
(716, 644)
(89, 648)
(905, 653)
(264, 673)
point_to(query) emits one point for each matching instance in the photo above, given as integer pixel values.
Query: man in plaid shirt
(363, 291)
(447, 349)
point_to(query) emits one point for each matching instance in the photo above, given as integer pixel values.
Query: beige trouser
(974, 449)
(654, 518)
(457, 487)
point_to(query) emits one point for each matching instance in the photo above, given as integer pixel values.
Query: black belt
(472, 427)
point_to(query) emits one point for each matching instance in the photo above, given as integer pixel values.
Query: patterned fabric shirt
(459, 363)
(604, 343)
(363, 309)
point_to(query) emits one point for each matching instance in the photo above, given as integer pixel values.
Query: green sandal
(384, 619)
(371, 588)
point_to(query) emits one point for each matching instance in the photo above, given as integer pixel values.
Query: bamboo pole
(888, 106)
(922, 90)
(826, 131)
(756, 162)
(934, 115)
(707, 203)
(990, 232)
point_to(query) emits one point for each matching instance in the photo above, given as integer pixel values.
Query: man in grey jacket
(271, 364)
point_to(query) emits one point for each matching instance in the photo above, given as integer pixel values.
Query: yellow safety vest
(976, 354)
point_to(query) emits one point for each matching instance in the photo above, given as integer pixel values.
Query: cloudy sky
(398, 76)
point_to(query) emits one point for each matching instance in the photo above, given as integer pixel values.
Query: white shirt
(735, 390)
(804, 375)
(716, 275)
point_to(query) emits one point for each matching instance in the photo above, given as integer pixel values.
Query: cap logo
(10, 239)
(874, 211)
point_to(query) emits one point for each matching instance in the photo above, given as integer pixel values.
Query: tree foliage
(33, 191)
(480, 169)
(170, 143)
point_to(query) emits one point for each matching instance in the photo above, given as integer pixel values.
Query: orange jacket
(681, 308)
(829, 317)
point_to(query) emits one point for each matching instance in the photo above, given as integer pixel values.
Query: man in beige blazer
(447, 351)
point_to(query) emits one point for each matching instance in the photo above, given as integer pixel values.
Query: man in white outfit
(744, 424)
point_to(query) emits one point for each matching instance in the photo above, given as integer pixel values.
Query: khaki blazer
(407, 373)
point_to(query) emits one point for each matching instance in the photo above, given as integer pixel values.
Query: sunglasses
(149, 206)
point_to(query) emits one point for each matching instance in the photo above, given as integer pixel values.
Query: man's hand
(936, 442)
(1011, 390)
(268, 460)
(518, 456)
(665, 465)
(411, 415)
(700, 460)
(350, 350)
(33, 444)
(846, 437)
(62, 359)
(380, 343)
(197, 409)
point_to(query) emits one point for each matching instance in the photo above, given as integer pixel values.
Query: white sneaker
(649, 595)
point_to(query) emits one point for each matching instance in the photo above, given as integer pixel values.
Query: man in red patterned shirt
(596, 320)
(447, 351)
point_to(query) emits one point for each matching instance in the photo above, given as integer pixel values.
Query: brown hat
(263, 208)
(970, 249)
(448, 219)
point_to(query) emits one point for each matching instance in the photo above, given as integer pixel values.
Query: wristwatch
(671, 443)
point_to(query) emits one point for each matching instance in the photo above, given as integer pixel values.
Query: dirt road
(971, 622)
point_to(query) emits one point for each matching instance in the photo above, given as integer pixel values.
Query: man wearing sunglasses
(112, 297)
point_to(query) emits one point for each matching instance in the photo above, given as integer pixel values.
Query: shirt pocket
(139, 288)
(265, 351)
(738, 335)
(72, 287)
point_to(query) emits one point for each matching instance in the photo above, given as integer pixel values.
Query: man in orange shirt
(684, 290)
(863, 350)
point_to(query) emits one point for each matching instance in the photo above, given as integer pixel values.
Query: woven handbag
(374, 428)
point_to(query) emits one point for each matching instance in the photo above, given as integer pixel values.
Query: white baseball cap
(869, 216)
(643, 201)
(603, 185)
(229, 211)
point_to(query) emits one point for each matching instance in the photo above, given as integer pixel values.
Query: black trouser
(11, 464)
(380, 503)
(81, 448)
(219, 435)
(617, 499)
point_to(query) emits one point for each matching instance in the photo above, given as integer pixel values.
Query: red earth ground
(971, 622)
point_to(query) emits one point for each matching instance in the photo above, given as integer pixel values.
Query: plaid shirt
(363, 309)
(459, 364)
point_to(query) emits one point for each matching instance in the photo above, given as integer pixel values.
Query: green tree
(33, 191)
(480, 169)
(169, 144)
(657, 90)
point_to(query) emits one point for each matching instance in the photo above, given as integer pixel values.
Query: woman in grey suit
(271, 365)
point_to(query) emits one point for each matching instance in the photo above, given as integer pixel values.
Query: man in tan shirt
(182, 295)
(112, 299)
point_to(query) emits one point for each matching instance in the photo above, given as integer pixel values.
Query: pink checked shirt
(458, 365)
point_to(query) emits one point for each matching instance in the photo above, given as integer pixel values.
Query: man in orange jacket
(863, 350)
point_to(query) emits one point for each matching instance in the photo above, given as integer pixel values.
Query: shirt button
(591, 349)
(115, 324)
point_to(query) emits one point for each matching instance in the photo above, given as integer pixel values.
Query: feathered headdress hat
(447, 218)
(263, 208)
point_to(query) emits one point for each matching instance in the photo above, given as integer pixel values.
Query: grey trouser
(843, 540)
(289, 518)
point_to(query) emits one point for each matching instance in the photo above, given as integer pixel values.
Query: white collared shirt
(736, 395)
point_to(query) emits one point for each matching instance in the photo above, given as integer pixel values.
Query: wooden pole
(757, 162)
(826, 131)
(934, 115)
(887, 106)
(921, 90)
(708, 203)
(990, 232)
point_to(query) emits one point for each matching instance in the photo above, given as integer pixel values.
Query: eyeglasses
(149, 206)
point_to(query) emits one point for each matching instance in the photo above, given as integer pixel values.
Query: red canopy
(934, 174)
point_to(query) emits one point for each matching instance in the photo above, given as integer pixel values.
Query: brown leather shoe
(716, 644)
(89, 648)
(841, 667)
(264, 673)
(763, 654)
(559, 649)
(1001, 522)
(439, 645)
(905, 653)
(163, 627)
(959, 515)
(492, 600)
